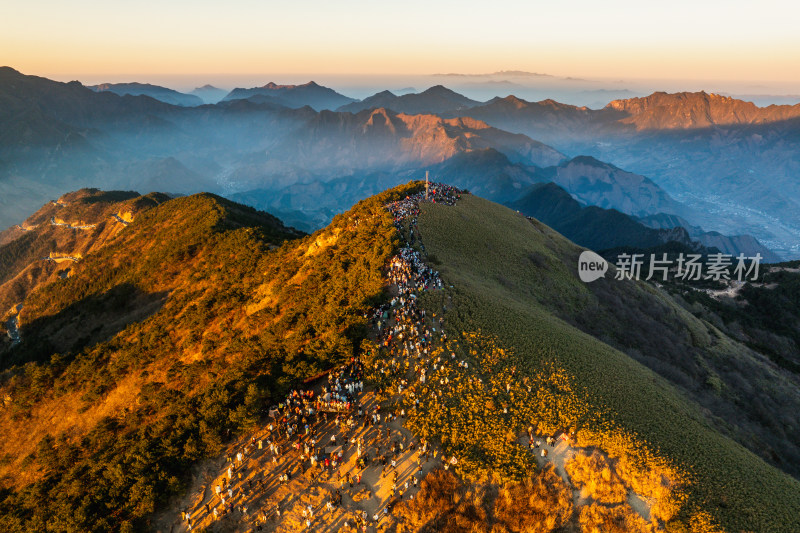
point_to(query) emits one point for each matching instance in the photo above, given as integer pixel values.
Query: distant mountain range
(294, 96)
(548, 119)
(40, 111)
(732, 162)
(209, 94)
(517, 73)
(153, 91)
(438, 99)
(493, 175)
(267, 144)
(734, 245)
(663, 111)
(604, 185)
(659, 111)
(590, 226)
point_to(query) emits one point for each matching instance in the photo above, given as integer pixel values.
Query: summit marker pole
(427, 184)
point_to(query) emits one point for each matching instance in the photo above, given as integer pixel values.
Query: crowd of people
(407, 209)
(326, 431)
(408, 272)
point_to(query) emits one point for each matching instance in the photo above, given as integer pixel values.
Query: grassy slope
(498, 285)
(749, 398)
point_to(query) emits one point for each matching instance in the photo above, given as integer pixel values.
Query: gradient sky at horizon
(679, 40)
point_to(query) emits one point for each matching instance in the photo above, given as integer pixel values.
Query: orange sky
(677, 40)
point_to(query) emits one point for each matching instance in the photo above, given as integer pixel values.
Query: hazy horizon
(357, 46)
(577, 90)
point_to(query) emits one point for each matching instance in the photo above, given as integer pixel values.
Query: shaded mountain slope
(604, 229)
(382, 139)
(761, 315)
(492, 175)
(590, 226)
(510, 292)
(734, 244)
(604, 185)
(68, 103)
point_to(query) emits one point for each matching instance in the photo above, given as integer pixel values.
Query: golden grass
(597, 518)
(596, 478)
(540, 504)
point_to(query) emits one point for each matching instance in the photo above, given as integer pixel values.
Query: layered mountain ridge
(58, 137)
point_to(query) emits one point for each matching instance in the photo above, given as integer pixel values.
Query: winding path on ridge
(61, 258)
(70, 226)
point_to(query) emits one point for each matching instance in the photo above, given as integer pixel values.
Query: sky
(752, 43)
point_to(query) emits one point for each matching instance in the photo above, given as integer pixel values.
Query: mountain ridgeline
(156, 92)
(294, 96)
(610, 230)
(174, 330)
(48, 244)
(438, 99)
